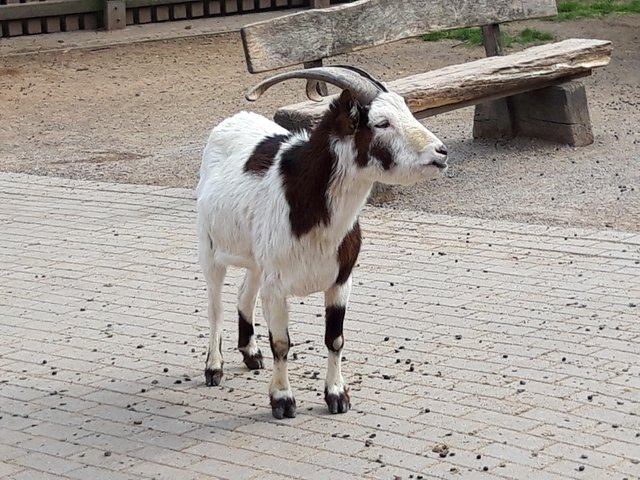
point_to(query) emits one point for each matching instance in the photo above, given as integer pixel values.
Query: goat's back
(232, 142)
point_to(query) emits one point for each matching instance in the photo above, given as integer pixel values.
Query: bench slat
(317, 34)
(477, 81)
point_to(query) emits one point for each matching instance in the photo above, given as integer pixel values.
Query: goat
(285, 207)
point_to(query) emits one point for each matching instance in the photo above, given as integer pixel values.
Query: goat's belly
(235, 260)
(232, 247)
(315, 276)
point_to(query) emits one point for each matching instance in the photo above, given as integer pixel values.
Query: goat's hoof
(283, 407)
(337, 402)
(253, 362)
(213, 376)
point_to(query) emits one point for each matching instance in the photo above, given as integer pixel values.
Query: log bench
(532, 92)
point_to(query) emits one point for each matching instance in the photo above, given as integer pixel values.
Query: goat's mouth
(441, 164)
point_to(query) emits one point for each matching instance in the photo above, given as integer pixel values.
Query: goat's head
(377, 129)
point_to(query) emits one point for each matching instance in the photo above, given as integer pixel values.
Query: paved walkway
(475, 349)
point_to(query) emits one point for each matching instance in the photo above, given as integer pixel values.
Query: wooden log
(277, 42)
(493, 119)
(490, 78)
(558, 114)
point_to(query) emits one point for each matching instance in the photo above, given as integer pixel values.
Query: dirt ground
(140, 113)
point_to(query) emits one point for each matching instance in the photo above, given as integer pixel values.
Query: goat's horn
(361, 84)
(366, 75)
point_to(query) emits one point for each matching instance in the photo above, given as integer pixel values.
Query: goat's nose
(442, 149)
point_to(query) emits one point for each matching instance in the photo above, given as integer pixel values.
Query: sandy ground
(140, 113)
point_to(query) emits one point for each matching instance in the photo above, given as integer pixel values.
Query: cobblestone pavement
(475, 349)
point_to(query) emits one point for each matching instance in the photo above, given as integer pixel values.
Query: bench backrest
(317, 34)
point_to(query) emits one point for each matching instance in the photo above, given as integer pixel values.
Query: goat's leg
(214, 275)
(336, 393)
(274, 305)
(251, 354)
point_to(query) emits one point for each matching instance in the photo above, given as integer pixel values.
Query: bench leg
(493, 120)
(558, 113)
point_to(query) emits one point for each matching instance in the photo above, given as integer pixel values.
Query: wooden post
(558, 113)
(322, 87)
(114, 14)
(493, 119)
(491, 40)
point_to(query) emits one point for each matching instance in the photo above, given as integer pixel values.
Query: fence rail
(30, 17)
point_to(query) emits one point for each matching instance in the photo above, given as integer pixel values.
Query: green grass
(473, 36)
(571, 9)
(567, 10)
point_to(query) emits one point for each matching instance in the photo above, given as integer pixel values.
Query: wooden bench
(531, 93)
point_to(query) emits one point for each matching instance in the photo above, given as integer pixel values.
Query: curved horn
(366, 75)
(343, 77)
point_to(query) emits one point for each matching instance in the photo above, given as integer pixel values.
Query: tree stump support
(558, 113)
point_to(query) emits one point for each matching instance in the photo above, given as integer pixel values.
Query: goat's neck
(325, 187)
(348, 189)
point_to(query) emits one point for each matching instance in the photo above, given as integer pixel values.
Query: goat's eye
(383, 124)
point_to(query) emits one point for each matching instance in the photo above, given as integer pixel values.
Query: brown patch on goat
(280, 348)
(363, 141)
(245, 330)
(348, 253)
(264, 154)
(347, 118)
(334, 320)
(384, 155)
(307, 168)
(352, 120)
(306, 171)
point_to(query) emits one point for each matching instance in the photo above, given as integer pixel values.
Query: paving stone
(96, 473)
(506, 355)
(46, 463)
(225, 470)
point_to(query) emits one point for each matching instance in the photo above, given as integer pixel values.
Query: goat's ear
(350, 105)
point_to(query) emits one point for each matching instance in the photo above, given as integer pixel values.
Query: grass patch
(468, 35)
(526, 36)
(571, 9)
(473, 36)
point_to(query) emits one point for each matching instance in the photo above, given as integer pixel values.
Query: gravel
(140, 113)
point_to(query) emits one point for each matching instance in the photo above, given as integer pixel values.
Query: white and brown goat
(285, 207)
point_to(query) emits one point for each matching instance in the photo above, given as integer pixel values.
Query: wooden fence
(28, 17)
